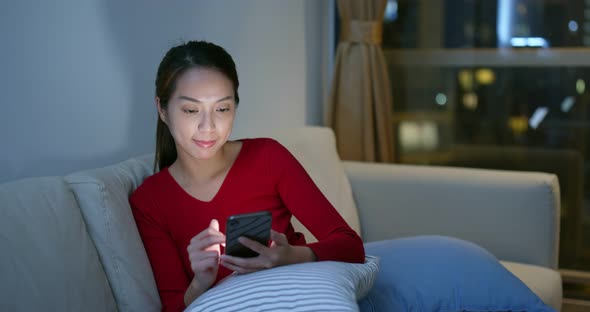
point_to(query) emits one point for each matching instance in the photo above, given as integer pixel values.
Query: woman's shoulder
(264, 144)
(149, 185)
(268, 152)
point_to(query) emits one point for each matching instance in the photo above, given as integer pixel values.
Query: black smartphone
(255, 226)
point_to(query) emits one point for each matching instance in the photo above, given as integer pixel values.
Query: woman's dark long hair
(179, 59)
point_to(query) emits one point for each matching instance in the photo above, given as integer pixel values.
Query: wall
(77, 76)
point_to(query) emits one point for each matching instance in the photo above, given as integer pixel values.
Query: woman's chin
(205, 154)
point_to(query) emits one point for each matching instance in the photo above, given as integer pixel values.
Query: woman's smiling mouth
(205, 144)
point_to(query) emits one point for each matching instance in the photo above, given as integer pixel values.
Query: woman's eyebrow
(229, 97)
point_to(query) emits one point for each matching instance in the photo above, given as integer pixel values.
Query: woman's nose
(206, 122)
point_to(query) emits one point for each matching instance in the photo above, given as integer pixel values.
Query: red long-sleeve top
(264, 176)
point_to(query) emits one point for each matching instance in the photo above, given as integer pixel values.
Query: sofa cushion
(311, 286)
(48, 261)
(514, 215)
(315, 149)
(103, 196)
(544, 282)
(437, 273)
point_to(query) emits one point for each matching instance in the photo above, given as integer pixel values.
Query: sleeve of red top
(166, 264)
(337, 241)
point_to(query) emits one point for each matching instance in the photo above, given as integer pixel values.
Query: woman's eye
(223, 109)
(190, 111)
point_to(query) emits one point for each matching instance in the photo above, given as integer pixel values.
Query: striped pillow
(311, 286)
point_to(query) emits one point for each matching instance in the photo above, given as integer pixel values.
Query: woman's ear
(161, 111)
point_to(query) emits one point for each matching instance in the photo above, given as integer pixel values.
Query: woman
(204, 178)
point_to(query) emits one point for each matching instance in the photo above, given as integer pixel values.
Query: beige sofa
(70, 243)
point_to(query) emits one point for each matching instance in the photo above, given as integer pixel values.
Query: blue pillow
(436, 273)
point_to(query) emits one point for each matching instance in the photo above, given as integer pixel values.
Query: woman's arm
(164, 258)
(300, 195)
(203, 253)
(193, 292)
(336, 240)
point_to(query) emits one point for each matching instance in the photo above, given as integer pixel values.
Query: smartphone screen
(255, 226)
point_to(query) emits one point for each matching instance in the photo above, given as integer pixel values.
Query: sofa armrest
(514, 215)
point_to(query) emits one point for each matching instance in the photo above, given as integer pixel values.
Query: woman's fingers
(206, 243)
(211, 230)
(205, 246)
(205, 233)
(278, 239)
(254, 245)
(199, 255)
(204, 260)
(268, 257)
(204, 264)
(238, 269)
(245, 265)
(209, 237)
(214, 224)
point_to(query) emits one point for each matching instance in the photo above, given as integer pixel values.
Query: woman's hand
(203, 253)
(279, 253)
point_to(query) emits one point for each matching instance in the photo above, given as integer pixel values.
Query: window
(500, 85)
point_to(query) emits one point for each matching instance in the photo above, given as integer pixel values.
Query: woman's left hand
(279, 253)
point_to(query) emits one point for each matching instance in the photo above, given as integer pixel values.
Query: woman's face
(200, 113)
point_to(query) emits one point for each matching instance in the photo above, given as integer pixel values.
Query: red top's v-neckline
(184, 192)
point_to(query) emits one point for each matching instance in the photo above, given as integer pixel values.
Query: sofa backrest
(103, 197)
(514, 215)
(47, 259)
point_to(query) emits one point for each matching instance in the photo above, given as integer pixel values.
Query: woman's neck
(198, 170)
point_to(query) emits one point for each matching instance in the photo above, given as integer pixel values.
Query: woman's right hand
(203, 252)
